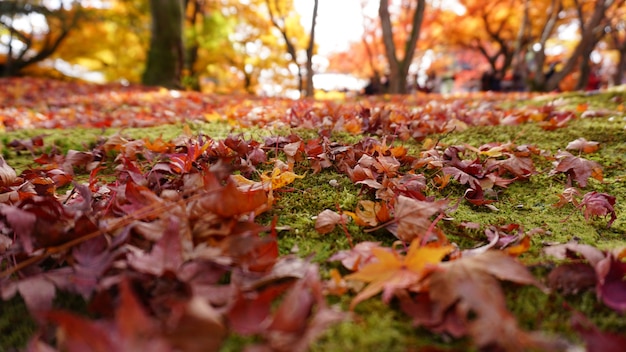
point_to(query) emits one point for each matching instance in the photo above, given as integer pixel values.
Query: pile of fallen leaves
(171, 256)
(41, 103)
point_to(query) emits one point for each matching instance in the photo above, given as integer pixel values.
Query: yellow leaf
(212, 117)
(392, 271)
(536, 117)
(429, 143)
(420, 257)
(279, 178)
(158, 145)
(442, 180)
(242, 181)
(519, 248)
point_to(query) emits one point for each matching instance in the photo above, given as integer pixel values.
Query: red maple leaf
(611, 286)
(578, 168)
(131, 330)
(596, 340)
(469, 287)
(597, 205)
(412, 217)
(519, 166)
(166, 255)
(327, 220)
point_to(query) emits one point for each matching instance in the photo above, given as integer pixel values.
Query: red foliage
(172, 256)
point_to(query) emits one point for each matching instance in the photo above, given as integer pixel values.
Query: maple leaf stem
(147, 211)
(67, 245)
(67, 199)
(372, 229)
(431, 228)
(344, 227)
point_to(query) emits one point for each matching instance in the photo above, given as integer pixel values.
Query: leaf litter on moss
(221, 244)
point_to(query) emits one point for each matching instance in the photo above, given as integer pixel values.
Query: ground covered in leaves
(145, 218)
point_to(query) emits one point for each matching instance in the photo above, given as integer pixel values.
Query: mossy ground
(381, 327)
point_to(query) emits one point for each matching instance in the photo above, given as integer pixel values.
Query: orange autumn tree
(388, 44)
(591, 19)
(523, 36)
(497, 30)
(395, 50)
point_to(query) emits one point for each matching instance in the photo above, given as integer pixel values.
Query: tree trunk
(539, 76)
(618, 77)
(585, 71)
(309, 89)
(194, 11)
(399, 67)
(165, 56)
(589, 39)
(618, 42)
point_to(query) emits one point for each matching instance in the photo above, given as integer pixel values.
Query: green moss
(234, 342)
(552, 312)
(607, 99)
(377, 327)
(17, 325)
(297, 206)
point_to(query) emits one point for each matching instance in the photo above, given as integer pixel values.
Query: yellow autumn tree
(229, 45)
(236, 46)
(113, 41)
(32, 32)
(287, 22)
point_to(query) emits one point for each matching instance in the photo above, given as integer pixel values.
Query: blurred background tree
(288, 24)
(270, 46)
(165, 61)
(31, 32)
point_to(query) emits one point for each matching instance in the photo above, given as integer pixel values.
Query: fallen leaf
(599, 205)
(470, 287)
(412, 217)
(392, 271)
(579, 169)
(7, 173)
(596, 340)
(572, 278)
(611, 285)
(568, 196)
(359, 256)
(583, 145)
(370, 213)
(327, 220)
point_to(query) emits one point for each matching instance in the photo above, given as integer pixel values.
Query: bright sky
(338, 22)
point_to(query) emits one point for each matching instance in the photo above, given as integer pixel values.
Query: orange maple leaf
(393, 271)
(278, 178)
(158, 145)
(369, 213)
